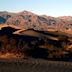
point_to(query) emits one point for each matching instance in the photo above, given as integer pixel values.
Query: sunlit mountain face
(27, 20)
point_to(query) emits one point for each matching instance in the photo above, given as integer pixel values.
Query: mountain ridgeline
(29, 20)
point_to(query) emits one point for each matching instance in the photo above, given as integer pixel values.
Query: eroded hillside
(35, 44)
(27, 20)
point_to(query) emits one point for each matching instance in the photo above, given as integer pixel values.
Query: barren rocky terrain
(36, 44)
(27, 20)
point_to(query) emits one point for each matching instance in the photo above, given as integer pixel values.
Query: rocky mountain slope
(30, 43)
(26, 20)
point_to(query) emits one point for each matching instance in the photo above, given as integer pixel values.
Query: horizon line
(37, 13)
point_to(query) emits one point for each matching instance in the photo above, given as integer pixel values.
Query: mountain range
(27, 35)
(27, 20)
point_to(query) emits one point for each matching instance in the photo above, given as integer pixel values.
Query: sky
(40, 7)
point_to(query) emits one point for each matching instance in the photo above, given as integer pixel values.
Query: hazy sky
(48, 7)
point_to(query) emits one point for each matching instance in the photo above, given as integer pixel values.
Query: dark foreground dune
(34, 65)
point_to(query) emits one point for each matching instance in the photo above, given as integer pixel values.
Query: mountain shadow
(7, 31)
(27, 45)
(35, 44)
